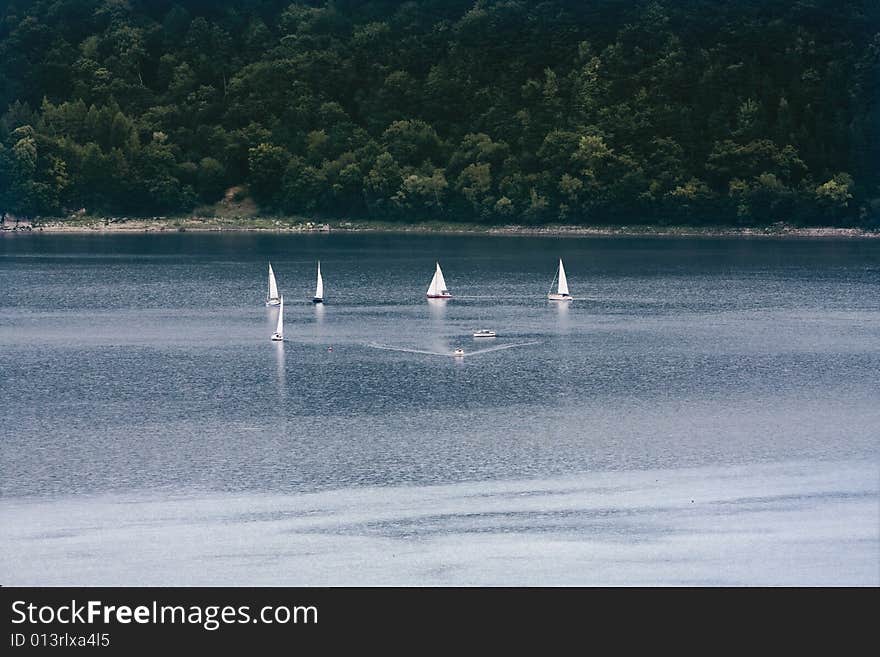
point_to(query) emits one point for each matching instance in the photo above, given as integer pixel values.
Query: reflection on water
(139, 361)
(280, 368)
(437, 338)
(271, 315)
(437, 308)
(563, 319)
(319, 312)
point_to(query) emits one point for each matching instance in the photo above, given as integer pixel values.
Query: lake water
(138, 384)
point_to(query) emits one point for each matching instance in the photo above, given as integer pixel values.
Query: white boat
(437, 288)
(278, 335)
(561, 293)
(272, 298)
(484, 333)
(319, 289)
(458, 352)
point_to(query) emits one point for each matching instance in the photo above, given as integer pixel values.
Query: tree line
(494, 111)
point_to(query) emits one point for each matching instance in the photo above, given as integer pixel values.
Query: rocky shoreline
(268, 224)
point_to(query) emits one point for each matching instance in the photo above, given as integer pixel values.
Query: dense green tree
(382, 183)
(210, 179)
(412, 142)
(266, 165)
(425, 194)
(470, 110)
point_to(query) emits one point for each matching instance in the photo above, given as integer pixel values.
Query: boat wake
(486, 297)
(500, 347)
(449, 354)
(406, 350)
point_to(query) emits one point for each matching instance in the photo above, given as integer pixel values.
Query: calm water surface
(143, 362)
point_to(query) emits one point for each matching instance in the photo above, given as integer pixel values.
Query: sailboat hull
(273, 302)
(277, 338)
(439, 296)
(317, 300)
(560, 297)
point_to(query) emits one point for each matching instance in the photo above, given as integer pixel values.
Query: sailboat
(278, 335)
(437, 288)
(561, 293)
(319, 289)
(272, 298)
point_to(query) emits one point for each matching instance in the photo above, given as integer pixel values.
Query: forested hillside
(576, 112)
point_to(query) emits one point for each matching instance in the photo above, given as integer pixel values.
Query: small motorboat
(458, 352)
(484, 333)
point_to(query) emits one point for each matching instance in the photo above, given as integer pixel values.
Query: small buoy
(329, 348)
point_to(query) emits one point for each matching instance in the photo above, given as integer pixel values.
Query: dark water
(133, 362)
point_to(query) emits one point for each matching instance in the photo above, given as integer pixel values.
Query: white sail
(438, 284)
(432, 288)
(273, 286)
(319, 289)
(563, 282)
(279, 327)
(441, 284)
